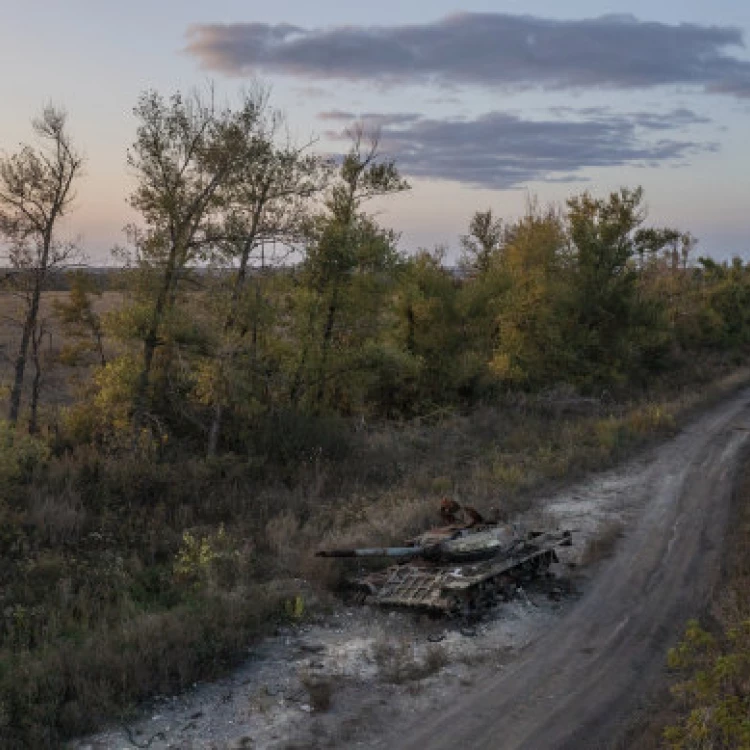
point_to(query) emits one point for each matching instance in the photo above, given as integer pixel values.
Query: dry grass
(70, 689)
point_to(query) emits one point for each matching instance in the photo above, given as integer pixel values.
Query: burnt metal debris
(461, 569)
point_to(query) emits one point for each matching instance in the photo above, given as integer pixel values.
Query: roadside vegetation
(268, 372)
(712, 663)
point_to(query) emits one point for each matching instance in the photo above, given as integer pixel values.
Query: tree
(37, 337)
(36, 193)
(483, 243)
(347, 250)
(186, 151)
(723, 304)
(428, 328)
(609, 315)
(532, 318)
(267, 203)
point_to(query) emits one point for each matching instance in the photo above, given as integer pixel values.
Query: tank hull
(462, 589)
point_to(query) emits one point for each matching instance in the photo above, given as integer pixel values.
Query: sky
(482, 105)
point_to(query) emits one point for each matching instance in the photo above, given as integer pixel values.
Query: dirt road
(579, 685)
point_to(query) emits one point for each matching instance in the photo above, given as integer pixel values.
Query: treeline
(210, 340)
(584, 296)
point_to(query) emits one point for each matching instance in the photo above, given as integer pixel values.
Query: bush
(51, 694)
(20, 454)
(287, 438)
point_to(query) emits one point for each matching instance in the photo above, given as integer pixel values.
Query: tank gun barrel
(372, 552)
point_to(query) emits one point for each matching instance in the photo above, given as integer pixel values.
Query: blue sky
(542, 98)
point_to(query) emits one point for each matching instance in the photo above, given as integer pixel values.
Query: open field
(61, 381)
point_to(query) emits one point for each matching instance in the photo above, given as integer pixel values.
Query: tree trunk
(213, 434)
(36, 385)
(26, 336)
(229, 323)
(294, 391)
(411, 345)
(18, 373)
(326, 345)
(151, 341)
(100, 345)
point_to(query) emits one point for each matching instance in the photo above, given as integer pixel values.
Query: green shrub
(20, 454)
(716, 692)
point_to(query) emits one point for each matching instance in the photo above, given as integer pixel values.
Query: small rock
(306, 708)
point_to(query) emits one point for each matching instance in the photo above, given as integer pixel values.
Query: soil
(572, 662)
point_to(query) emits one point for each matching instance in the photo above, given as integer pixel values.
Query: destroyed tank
(455, 570)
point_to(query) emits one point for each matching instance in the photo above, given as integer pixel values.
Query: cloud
(312, 92)
(678, 118)
(500, 150)
(337, 114)
(374, 120)
(489, 49)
